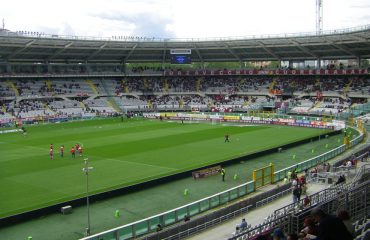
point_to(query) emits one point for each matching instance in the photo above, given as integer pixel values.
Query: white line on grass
(143, 164)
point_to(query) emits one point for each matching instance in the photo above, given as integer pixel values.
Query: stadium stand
(86, 89)
(142, 93)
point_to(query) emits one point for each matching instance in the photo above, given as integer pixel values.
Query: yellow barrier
(263, 176)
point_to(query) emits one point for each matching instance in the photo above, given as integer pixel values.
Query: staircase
(12, 86)
(82, 105)
(92, 86)
(272, 85)
(165, 84)
(197, 86)
(49, 86)
(48, 108)
(246, 103)
(150, 104)
(110, 100)
(346, 89)
(126, 90)
(317, 104)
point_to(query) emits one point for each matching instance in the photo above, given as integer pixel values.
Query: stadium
(113, 138)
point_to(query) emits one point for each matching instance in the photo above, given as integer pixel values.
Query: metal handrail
(279, 217)
(132, 39)
(207, 198)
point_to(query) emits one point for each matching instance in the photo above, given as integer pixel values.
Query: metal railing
(273, 197)
(30, 34)
(170, 217)
(208, 224)
(353, 196)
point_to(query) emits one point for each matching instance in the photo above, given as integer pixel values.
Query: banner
(221, 109)
(247, 120)
(231, 117)
(206, 172)
(265, 72)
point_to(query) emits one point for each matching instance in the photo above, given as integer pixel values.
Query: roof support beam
(360, 38)
(60, 50)
(343, 48)
(304, 49)
(269, 51)
(130, 53)
(198, 53)
(97, 51)
(232, 52)
(21, 49)
(164, 54)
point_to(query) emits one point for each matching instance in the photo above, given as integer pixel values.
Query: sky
(179, 18)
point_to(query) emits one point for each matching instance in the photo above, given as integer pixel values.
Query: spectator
(344, 216)
(243, 224)
(310, 228)
(289, 176)
(296, 193)
(292, 236)
(278, 234)
(159, 227)
(304, 188)
(330, 227)
(295, 182)
(340, 180)
(306, 201)
(349, 164)
(262, 237)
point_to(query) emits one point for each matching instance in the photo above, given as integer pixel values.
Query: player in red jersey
(73, 152)
(51, 154)
(51, 146)
(79, 151)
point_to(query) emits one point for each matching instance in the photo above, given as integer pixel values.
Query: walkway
(254, 217)
(258, 215)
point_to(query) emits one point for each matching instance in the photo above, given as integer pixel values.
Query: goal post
(215, 121)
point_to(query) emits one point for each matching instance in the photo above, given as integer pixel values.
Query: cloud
(178, 18)
(360, 6)
(153, 25)
(144, 24)
(67, 29)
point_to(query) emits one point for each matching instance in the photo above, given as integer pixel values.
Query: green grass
(122, 154)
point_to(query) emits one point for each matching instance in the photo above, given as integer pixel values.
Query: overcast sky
(179, 18)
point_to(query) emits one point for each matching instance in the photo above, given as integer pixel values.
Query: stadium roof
(32, 47)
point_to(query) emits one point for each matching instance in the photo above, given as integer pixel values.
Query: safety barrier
(149, 224)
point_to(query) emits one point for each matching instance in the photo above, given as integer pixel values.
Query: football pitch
(122, 154)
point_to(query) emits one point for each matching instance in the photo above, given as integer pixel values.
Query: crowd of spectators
(156, 92)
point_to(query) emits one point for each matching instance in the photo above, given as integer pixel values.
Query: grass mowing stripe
(139, 164)
(122, 154)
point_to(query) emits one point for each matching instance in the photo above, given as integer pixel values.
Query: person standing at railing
(289, 175)
(341, 179)
(223, 173)
(296, 194)
(159, 227)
